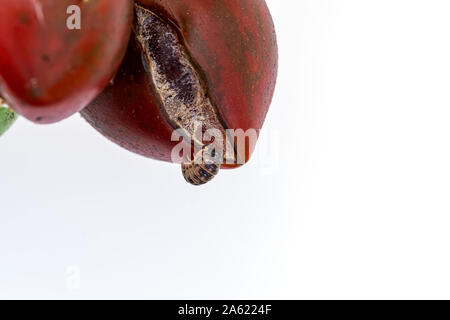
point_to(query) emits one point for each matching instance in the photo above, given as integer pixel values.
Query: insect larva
(200, 172)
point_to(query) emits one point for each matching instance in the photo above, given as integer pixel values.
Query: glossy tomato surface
(49, 70)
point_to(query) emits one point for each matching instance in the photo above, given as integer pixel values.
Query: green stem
(7, 118)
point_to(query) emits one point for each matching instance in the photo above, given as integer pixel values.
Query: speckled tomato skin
(233, 43)
(48, 72)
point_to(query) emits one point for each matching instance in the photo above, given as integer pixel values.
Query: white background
(347, 196)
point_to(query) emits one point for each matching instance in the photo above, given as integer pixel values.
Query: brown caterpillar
(202, 169)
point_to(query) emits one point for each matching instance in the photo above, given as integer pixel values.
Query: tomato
(50, 67)
(191, 61)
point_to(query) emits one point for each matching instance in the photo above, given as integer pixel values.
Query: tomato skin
(47, 71)
(232, 42)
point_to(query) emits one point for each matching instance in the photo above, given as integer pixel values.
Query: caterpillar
(202, 169)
